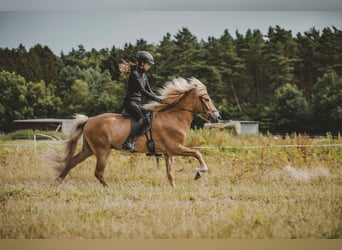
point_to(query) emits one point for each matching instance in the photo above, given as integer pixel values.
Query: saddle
(147, 130)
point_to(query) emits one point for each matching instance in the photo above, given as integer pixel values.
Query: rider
(137, 87)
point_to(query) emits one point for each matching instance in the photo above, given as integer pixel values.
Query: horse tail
(60, 161)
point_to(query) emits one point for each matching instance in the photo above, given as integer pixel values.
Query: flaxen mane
(174, 90)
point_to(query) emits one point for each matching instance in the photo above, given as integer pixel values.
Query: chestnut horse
(171, 122)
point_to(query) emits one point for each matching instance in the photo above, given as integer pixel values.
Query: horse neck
(183, 110)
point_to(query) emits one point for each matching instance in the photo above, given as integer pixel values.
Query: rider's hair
(126, 67)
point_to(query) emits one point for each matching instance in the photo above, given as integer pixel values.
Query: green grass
(248, 193)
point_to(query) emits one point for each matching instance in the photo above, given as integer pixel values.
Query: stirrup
(151, 148)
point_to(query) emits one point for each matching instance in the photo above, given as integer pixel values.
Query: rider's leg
(137, 124)
(136, 127)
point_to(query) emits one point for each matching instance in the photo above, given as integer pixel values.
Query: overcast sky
(64, 29)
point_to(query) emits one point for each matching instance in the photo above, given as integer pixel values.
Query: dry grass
(248, 193)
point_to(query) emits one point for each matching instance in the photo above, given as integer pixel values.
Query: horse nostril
(214, 117)
(218, 116)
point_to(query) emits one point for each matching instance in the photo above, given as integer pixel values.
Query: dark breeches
(134, 109)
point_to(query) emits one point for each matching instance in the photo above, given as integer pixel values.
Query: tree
(327, 102)
(330, 49)
(14, 60)
(251, 49)
(290, 112)
(66, 78)
(105, 95)
(77, 99)
(306, 69)
(74, 57)
(110, 98)
(164, 57)
(221, 54)
(39, 63)
(42, 100)
(13, 103)
(44, 63)
(281, 55)
(111, 63)
(89, 91)
(186, 54)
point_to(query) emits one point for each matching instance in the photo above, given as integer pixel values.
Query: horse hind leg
(81, 156)
(100, 167)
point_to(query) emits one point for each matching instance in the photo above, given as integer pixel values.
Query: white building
(63, 125)
(239, 127)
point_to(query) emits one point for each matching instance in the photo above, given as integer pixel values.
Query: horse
(171, 122)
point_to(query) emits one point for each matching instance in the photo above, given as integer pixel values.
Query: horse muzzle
(214, 117)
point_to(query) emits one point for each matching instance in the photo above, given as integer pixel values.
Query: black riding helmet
(145, 57)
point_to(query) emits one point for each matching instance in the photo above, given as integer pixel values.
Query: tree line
(289, 83)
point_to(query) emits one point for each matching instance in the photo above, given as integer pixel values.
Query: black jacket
(138, 86)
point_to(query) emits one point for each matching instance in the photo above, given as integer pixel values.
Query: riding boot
(135, 129)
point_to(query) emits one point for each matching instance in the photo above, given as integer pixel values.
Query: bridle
(205, 114)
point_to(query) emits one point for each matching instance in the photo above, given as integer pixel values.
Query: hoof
(198, 175)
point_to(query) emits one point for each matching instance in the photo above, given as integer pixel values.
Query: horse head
(201, 103)
(191, 96)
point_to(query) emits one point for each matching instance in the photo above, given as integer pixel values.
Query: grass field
(270, 192)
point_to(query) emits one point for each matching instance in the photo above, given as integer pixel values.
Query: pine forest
(288, 82)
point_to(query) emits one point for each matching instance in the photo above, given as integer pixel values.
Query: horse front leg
(169, 160)
(185, 151)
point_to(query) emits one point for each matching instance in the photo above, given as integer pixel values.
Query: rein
(199, 114)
